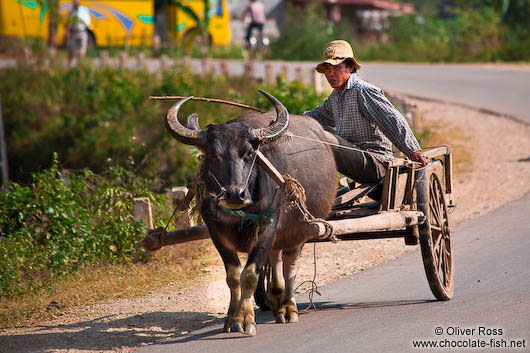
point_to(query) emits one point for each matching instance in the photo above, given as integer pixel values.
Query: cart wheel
(261, 294)
(435, 235)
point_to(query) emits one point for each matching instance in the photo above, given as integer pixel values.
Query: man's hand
(419, 157)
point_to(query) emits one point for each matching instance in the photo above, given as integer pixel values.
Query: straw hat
(336, 52)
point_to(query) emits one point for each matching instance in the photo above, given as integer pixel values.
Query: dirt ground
(498, 150)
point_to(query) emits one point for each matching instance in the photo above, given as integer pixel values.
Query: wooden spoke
(436, 228)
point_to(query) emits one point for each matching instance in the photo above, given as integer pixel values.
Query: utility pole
(3, 152)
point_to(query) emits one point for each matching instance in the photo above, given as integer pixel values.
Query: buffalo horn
(279, 126)
(181, 133)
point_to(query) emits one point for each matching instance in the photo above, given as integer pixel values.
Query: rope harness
(290, 134)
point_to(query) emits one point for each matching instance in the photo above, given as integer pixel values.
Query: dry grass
(100, 282)
(463, 155)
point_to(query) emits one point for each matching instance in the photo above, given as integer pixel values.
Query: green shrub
(90, 117)
(296, 96)
(473, 33)
(64, 220)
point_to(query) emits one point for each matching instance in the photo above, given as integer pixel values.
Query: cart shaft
(381, 225)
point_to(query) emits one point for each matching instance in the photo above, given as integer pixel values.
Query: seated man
(363, 118)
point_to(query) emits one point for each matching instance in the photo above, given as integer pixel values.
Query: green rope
(251, 218)
(246, 218)
(257, 219)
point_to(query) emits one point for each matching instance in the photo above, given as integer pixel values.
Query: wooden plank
(401, 233)
(448, 164)
(352, 195)
(383, 221)
(365, 209)
(393, 190)
(436, 151)
(387, 190)
(269, 168)
(400, 189)
(410, 186)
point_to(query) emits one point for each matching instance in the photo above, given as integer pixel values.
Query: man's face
(337, 75)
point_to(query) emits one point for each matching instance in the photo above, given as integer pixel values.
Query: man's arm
(392, 123)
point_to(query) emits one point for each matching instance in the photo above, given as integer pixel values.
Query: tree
(52, 8)
(198, 34)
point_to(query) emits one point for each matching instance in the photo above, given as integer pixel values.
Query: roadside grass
(437, 135)
(100, 282)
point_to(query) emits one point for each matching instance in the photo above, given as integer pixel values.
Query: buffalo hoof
(293, 317)
(280, 318)
(236, 327)
(228, 326)
(251, 330)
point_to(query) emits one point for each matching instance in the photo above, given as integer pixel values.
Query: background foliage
(112, 146)
(91, 117)
(439, 31)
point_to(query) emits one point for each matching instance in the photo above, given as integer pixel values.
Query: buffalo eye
(246, 153)
(215, 153)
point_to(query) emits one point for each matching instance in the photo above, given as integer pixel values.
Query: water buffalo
(242, 207)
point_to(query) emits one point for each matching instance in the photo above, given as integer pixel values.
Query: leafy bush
(296, 96)
(64, 220)
(90, 117)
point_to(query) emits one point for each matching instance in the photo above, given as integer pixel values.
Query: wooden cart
(413, 204)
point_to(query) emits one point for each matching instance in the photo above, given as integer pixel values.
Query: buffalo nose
(241, 194)
(236, 194)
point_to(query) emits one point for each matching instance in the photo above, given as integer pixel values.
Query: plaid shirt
(365, 117)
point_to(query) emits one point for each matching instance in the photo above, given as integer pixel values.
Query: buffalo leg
(249, 278)
(288, 310)
(277, 285)
(233, 278)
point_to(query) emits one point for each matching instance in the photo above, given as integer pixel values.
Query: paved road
(499, 90)
(502, 89)
(388, 307)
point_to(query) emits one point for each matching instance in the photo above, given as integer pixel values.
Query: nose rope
(223, 189)
(251, 168)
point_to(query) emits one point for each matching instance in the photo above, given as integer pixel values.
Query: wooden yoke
(269, 168)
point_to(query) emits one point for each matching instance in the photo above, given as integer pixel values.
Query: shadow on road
(106, 334)
(264, 318)
(103, 333)
(365, 305)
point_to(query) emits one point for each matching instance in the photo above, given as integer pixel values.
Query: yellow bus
(115, 22)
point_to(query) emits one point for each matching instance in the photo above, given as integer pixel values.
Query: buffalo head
(229, 151)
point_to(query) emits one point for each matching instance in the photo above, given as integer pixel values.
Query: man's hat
(336, 52)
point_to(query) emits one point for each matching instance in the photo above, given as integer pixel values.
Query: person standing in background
(77, 24)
